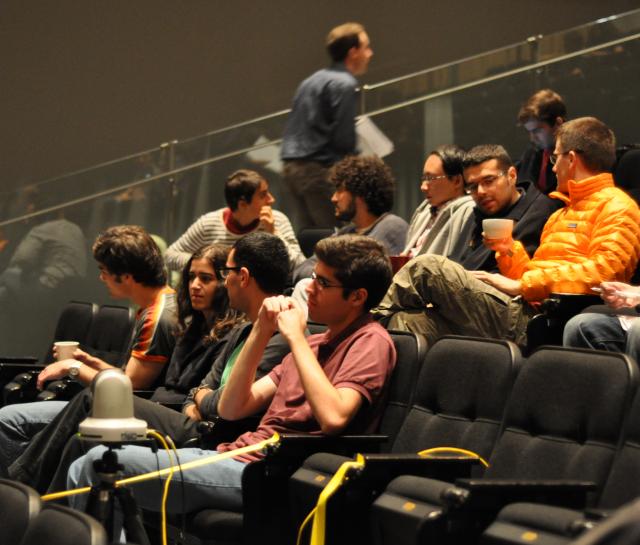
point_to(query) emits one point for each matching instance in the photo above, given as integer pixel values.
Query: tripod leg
(132, 516)
(100, 507)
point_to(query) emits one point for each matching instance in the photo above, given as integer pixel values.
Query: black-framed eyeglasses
(224, 271)
(428, 178)
(485, 182)
(322, 282)
(553, 158)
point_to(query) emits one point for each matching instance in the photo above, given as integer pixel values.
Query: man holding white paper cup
(594, 238)
(490, 179)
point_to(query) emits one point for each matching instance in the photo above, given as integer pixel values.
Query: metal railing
(596, 67)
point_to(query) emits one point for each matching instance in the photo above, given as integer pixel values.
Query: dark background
(86, 82)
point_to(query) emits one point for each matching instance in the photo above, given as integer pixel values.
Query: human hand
(502, 245)
(619, 295)
(505, 285)
(268, 314)
(292, 322)
(193, 413)
(267, 223)
(53, 371)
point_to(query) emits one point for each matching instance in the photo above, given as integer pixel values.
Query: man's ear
(512, 174)
(458, 181)
(245, 276)
(125, 278)
(359, 296)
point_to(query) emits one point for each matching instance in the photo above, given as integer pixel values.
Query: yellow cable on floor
(438, 450)
(319, 513)
(165, 492)
(189, 465)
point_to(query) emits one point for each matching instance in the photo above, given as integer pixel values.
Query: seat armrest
(9, 371)
(597, 514)
(385, 467)
(493, 494)
(144, 394)
(293, 445)
(566, 305)
(30, 360)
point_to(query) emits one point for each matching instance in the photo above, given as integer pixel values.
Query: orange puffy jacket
(594, 238)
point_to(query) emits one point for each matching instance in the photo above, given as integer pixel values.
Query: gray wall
(86, 82)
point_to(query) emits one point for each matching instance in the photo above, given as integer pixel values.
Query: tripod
(102, 498)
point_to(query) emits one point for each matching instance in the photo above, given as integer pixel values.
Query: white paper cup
(65, 349)
(497, 228)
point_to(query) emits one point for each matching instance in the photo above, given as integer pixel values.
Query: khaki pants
(435, 296)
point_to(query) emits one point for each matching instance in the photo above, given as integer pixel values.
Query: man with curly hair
(363, 196)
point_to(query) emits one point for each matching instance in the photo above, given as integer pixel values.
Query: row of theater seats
(24, 521)
(566, 434)
(103, 331)
(557, 428)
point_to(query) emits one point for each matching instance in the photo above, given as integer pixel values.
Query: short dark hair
(129, 249)
(360, 262)
(266, 257)
(341, 39)
(451, 156)
(486, 152)
(191, 321)
(592, 139)
(241, 186)
(544, 105)
(366, 177)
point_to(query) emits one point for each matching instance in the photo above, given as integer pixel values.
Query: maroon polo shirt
(361, 357)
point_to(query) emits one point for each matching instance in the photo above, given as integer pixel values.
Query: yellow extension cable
(184, 467)
(438, 450)
(165, 492)
(319, 512)
(275, 438)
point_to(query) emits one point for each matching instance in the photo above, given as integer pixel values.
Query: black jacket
(530, 213)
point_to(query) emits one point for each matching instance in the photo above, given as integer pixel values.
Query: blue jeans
(19, 423)
(216, 485)
(602, 332)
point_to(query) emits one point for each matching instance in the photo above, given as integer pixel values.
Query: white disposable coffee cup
(497, 228)
(65, 349)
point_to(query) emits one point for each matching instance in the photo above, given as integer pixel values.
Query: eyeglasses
(553, 158)
(322, 282)
(224, 271)
(485, 182)
(428, 178)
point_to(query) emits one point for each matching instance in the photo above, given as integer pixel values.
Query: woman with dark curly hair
(204, 319)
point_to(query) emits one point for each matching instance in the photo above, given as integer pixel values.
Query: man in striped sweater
(248, 209)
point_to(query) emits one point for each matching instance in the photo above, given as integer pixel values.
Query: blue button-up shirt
(321, 126)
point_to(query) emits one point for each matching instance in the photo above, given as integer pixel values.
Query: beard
(346, 214)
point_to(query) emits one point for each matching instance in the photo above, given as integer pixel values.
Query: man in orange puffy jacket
(594, 238)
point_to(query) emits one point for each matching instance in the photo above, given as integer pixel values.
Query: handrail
(506, 74)
(366, 88)
(529, 40)
(128, 185)
(238, 125)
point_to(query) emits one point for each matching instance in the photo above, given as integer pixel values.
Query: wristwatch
(74, 370)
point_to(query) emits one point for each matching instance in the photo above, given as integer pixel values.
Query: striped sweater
(210, 228)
